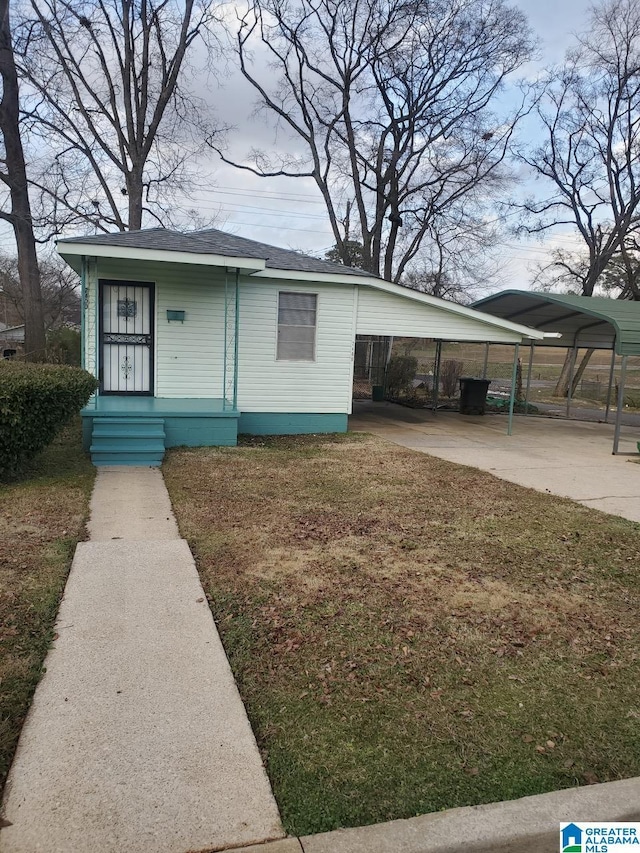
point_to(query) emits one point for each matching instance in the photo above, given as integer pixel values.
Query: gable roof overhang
(73, 253)
(591, 322)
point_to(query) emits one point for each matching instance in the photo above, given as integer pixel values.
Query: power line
(278, 227)
(298, 199)
(271, 211)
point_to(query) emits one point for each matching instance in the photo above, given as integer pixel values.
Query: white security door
(127, 337)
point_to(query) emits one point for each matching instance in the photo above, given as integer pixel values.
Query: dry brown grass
(42, 517)
(410, 634)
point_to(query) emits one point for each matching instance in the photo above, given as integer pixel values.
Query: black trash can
(377, 393)
(473, 395)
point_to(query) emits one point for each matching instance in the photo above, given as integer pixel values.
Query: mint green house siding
(266, 384)
(188, 356)
(382, 312)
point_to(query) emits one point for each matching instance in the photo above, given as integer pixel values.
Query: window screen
(297, 326)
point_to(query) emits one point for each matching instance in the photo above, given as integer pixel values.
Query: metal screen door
(126, 337)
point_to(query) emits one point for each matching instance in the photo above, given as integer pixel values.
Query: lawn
(42, 516)
(408, 634)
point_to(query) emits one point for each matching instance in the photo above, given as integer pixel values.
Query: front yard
(42, 516)
(408, 634)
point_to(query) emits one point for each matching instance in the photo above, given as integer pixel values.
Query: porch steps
(128, 441)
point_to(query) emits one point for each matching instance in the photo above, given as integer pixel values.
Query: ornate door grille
(126, 320)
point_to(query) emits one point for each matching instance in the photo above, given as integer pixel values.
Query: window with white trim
(297, 317)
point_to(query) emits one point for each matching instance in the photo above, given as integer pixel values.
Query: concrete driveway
(568, 458)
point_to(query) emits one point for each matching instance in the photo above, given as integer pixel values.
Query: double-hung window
(297, 318)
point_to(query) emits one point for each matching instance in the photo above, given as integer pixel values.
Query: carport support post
(572, 369)
(486, 361)
(386, 363)
(436, 376)
(623, 374)
(610, 388)
(532, 347)
(514, 379)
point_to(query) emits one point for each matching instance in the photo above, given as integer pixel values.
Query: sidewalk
(137, 738)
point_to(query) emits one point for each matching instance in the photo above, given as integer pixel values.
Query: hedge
(36, 400)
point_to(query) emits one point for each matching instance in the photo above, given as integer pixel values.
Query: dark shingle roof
(214, 242)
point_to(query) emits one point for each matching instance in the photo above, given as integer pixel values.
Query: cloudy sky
(289, 212)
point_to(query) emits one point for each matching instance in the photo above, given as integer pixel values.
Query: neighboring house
(196, 337)
(10, 335)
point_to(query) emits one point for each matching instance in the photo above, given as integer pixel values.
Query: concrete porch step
(128, 426)
(128, 441)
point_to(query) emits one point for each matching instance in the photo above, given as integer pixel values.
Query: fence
(495, 362)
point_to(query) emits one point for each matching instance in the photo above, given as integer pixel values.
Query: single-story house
(197, 336)
(10, 335)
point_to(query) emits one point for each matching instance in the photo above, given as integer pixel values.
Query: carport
(386, 311)
(588, 322)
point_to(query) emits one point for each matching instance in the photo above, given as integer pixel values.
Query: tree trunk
(16, 179)
(581, 368)
(134, 191)
(562, 385)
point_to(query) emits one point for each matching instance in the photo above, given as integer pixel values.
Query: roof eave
(70, 250)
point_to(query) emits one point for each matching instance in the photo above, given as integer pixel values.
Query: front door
(126, 337)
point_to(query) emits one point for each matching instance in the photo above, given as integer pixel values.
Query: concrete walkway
(137, 739)
(567, 458)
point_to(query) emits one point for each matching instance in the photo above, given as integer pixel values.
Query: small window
(297, 314)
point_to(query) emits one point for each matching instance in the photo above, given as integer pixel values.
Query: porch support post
(235, 341)
(96, 307)
(226, 342)
(436, 375)
(623, 375)
(486, 360)
(514, 378)
(532, 347)
(83, 311)
(572, 369)
(610, 388)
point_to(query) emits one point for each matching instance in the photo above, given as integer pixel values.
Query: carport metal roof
(588, 322)
(583, 321)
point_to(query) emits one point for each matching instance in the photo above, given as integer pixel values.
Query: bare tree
(590, 114)
(14, 176)
(567, 270)
(110, 102)
(60, 292)
(391, 104)
(458, 258)
(623, 271)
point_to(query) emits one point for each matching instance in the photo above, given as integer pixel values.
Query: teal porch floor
(116, 406)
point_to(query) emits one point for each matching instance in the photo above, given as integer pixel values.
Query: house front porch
(135, 430)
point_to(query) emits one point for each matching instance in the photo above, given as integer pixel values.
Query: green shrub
(36, 400)
(63, 346)
(401, 371)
